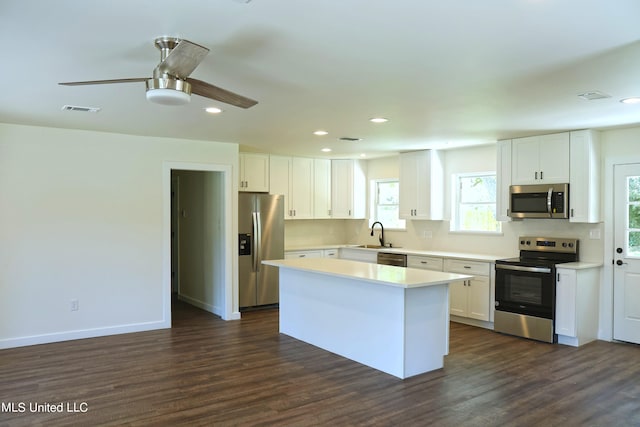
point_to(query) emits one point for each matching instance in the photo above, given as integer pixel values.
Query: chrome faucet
(381, 238)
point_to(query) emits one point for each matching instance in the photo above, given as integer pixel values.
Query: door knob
(619, 262)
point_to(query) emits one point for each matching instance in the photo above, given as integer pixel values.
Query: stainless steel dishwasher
(388, 258)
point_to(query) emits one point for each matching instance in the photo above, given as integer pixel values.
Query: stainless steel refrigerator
(261, 237)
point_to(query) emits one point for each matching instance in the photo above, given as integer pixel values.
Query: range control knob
(570, 245)
(564, 244)
(528, 242)
(522, 242)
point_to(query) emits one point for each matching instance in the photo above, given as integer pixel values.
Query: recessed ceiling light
(321, 132)
(326, 150)
(632, 100)
(213, 110)
(363, 155)
(378, 120)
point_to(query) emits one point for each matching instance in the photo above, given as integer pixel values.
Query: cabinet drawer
(303, 254)
(424, 262)
(476, 268)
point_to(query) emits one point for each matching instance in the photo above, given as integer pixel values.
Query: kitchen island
(393, 319)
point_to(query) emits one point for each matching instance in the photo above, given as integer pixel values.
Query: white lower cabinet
(354, 254)
(424, 262)
(330, 253)
(577, 305)
(470, 298)
(303, 254)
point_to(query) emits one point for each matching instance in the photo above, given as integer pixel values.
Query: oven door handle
(523, 268)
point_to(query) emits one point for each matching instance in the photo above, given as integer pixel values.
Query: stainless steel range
(525, 297)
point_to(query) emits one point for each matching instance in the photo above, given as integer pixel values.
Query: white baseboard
(200, 304)
(82, 334)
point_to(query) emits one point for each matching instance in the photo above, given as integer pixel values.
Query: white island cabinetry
(393, 319)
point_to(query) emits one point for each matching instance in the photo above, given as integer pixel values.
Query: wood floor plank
(205, 371)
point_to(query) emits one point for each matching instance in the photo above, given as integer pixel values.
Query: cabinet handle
(541, 175)
(571, 212)
(536, 174)
(466, 266)
(302, 255)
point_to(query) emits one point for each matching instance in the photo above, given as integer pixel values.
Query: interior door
(626, 286)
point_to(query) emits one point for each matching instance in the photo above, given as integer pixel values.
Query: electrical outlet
(75, 305)
(594, 234)
(428, 234)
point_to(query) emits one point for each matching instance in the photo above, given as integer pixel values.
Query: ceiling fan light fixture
(168, 91)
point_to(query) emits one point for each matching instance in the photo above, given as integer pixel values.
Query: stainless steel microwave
(539, 201)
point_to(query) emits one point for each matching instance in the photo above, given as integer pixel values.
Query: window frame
(454, 223)
(373, 208)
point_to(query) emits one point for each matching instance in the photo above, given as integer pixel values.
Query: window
(474, 203)
(385, 204)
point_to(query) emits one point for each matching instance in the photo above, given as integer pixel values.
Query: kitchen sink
(370, 246)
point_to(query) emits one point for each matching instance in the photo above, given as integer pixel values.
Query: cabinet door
(503, 179)
(566, 302)
(554, 158)
(301, 185)
(408, 182)
(584, 177)
(279, 175)
(478, 298)
(341, 188)
(524, 163)
(322, 188)
(458, 298)
(254, 172)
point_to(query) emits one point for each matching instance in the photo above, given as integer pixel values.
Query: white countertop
(375, 273)
(579, 265)
(442, 254)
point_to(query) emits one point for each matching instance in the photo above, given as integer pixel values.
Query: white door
(626, 277)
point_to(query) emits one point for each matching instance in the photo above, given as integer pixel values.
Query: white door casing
(626, 268)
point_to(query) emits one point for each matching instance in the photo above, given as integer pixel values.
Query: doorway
(626, 268)
(204, 245)
(197, 238)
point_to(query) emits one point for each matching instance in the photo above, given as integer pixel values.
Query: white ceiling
(445, 72)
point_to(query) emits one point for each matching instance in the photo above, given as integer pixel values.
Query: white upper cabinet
(421, 185)
(503, 179)
(541, 159)
(293, 177)
(254, 172)
(348, 189)
(321, 188)
(584, 182)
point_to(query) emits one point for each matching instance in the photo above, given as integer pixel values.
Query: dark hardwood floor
(208, 372)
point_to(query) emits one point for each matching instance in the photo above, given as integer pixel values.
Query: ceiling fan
(170, 84)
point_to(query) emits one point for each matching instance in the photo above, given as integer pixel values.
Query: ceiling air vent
(596, 94)
(81, 109)
(349, 139)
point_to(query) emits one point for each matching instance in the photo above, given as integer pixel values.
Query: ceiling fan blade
(182, 60)
(216, 93)
(103, 82)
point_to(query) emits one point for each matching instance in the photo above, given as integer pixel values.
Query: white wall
(82, 218)
(201, 239)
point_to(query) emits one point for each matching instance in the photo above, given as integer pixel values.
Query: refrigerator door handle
(257, 250)
(256, 239)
